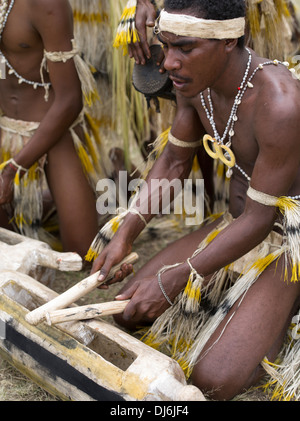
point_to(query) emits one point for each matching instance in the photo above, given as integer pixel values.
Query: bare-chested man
(246, 109)
(40, 110)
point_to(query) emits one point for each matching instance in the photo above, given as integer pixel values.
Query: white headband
(190, 26)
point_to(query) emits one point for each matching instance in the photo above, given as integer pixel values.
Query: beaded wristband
(163, 290)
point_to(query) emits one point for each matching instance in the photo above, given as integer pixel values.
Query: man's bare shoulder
(48, 5)
(277, 109)
(49, 8)
(279, 96)
(53, 20)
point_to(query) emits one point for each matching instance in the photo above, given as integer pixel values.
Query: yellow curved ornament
(229, 162)
(213, 154)
(219, 151)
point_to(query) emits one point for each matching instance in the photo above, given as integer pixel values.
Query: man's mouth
(178, 82)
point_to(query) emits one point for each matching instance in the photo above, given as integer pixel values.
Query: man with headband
(221, 299)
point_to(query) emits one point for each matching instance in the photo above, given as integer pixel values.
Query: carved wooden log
(23, 254)
(90, 360)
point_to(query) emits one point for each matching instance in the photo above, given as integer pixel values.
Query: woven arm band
(182, 144)
(262, 198)
(14, 166)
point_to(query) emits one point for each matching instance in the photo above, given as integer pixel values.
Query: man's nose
(171, 61)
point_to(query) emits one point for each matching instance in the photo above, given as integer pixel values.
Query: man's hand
(113, 254)
(145, 17)
(146, 300)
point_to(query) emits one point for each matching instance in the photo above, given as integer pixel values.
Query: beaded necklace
(220, 150)
(4, 13)
(233, 117)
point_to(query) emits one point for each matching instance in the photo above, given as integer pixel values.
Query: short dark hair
(211, 9)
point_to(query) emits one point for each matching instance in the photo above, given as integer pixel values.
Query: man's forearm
(236, 240)
(156, 190)
(52, 128)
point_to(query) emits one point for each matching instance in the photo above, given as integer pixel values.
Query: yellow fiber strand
(161, 142)
(158, 146)
(98, 18)
(195, 166)
(94, 127)
(253, 18)
(126, 32)
(286, 204)
(84, 158)
(272, 31)
(91, 255)
(3, 165)
(282, 8)
(295, 273)
(212, 236)
(89, 144)
(106, 232)
(262, 263)
(191, 292)
(114, 224)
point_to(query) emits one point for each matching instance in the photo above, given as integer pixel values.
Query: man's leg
(73, 196)
(256, 330)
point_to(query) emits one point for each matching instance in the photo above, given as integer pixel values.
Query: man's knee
(220, 384)
(212, 385)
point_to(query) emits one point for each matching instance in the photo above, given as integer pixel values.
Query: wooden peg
(74, 293)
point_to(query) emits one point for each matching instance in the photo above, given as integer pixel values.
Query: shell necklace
(220, 150)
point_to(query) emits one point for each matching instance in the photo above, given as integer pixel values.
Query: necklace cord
(218, 141)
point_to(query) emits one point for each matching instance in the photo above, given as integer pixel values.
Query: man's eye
(186, 50)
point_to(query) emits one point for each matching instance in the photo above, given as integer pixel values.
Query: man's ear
(230, 44)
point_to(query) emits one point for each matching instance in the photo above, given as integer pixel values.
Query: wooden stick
(73, 294)
(85, 312)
